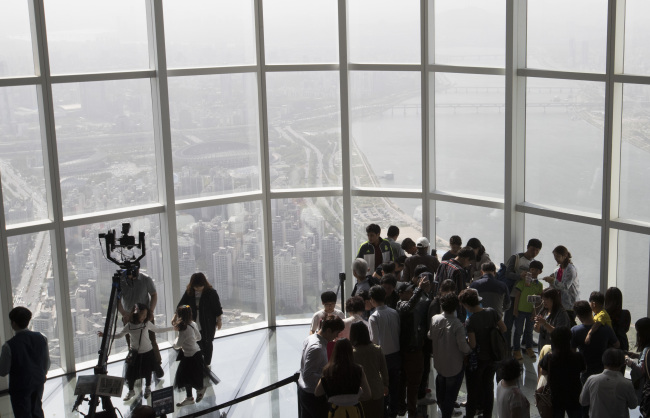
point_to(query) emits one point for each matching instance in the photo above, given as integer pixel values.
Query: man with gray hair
(364, 280)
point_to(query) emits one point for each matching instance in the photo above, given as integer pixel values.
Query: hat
(422, 242)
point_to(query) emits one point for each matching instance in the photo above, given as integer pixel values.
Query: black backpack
(498, 346)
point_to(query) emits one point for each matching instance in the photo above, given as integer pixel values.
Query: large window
(255, 140)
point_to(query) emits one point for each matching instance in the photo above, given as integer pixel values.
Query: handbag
(543, 398)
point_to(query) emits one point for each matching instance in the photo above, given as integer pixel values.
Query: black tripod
(104, 349)
(128, 265)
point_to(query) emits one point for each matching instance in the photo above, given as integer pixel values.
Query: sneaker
(147, 391)
(186, 401)
(199, 394)
(517, 355)
(129, 395)
(530, 353)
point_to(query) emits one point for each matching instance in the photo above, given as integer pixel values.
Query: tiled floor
(244, 363)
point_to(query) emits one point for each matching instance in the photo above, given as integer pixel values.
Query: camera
(535, 299)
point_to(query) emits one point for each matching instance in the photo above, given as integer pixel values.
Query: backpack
(502, 274)
(498, 346)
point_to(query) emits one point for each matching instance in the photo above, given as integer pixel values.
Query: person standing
(517, 268)
(421, 258)
(565, 279)
(609, 394)
(377, 249)
(26, 359)
(312, 362)
(138, 287)
(385, 332)
(494, 293)
(206, 311)
(391, 235)
(480, 382)
(455, 244)
(371, 358)
(449, 350)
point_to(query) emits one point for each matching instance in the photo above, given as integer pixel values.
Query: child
(190, 369)
(523, 310)
(601, 317)
(144, 361)
(328, 299)
(511, 402)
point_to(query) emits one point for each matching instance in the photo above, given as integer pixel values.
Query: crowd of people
(474, 320)
(407, 309)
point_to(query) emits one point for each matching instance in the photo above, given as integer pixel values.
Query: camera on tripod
(130, 264)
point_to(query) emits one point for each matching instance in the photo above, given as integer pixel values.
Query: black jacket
(210, 308)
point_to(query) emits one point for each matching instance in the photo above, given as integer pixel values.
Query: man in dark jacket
(422, 257)
(26, 359)
(495, 294)
(412, 308)
(376, 250)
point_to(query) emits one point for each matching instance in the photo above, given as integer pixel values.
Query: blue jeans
(523, 322)
(447, 389)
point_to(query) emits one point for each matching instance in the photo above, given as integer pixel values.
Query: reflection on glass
(21, 159)
(635, 153)
(384, 31)
(87, 37)
(209, 33)
(307, 252)
(406, 214)
(298, 31)
(226, 244)
(386, 129)
(32, 283)
(567, 35)
(90, 274)
(637, 33)
(582, 241)
(16, 57)
(467, 222)
(469, 33)
(304, 129)
(564, 143)
(105, 144)
(469, 133)
(215, 134)
(632, 274)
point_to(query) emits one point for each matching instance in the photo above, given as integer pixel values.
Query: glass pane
(209, 33)
(215, 134)
(469, 33)
(406, 214)
(384, 31)
(298, 31)
(32, 282)
(16, 58)
(304, 129)
(635, 153)
(386, 129)
(90, 278)
(469, 222)
(567, 35)
(21, 158)
(637, 33)
(87, 36)
(632, 275)
(226, 243)
(469, 131)
(582, 241)
(564, 143)
(106, 147)
(307, 253)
